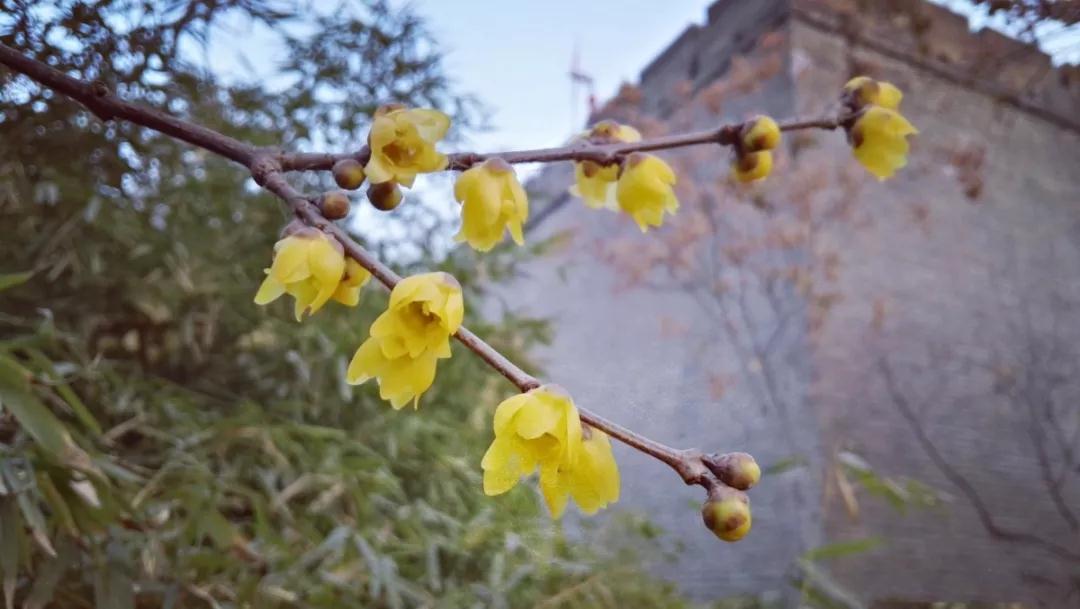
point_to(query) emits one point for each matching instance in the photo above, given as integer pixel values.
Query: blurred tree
(163, 442)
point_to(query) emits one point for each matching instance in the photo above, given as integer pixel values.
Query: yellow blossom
(542, 429)
(761, 133)
(593, 481)
(752, 166)
(867, 91)
(309, 266)
(879, 138)
(355, 278)
(406, 341)
(492, 201)
(595, 183)
(644, 190)
(402, 143)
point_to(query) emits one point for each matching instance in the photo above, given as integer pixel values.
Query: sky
(515, 55)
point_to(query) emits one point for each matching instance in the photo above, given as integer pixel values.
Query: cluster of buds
(727, 510)
(753, 149)
(877, 132)
(640, 185)
(401, 145)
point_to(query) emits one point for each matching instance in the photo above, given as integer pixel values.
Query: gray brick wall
(974, 302)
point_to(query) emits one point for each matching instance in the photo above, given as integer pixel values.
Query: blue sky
(516, 55)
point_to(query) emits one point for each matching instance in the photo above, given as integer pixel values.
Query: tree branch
(267, 166)
(604, 154)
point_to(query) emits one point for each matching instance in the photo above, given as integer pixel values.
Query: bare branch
(267, 167)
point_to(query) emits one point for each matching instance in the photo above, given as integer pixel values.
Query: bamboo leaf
(66, 392)
(10, 280)
(112, 584)
(49, 575)
(32, 414)
(843, 548)
(38, 529)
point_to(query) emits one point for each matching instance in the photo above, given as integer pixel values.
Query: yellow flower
(402, 145)
(309, 266)
(542, 428)
(407, 340)
(752, 166)
(595, 183)
(492, 200)
(865, 91)
(762, 133)
(355, 278)
(879, 139)
(645, 190)
(753, 157)
(593, 481)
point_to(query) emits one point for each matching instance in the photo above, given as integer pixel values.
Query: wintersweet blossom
(753, 151)
(878, 134)
(542, 429)
(309, 266)
(355, 278)
(879, 139)
(644, 190)
(593, 481)
(752, 166)
(865, 91)
(492, 202)
(593, 182)
(406, 341)
(402, 143)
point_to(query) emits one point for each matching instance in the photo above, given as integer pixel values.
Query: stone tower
(904, 354)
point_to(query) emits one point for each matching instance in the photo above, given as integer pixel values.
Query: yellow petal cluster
(492, 202)
(593, 182)
(312, 268)
(865, 91)
(542, 429)
(645, 190)
(402, 143)
(406, 341)
(753, 152)
(879, 133)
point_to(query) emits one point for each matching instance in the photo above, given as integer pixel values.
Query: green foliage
(165, 442)
(900, 492)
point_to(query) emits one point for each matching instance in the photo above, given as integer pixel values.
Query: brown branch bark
(604, 154)
(267, 167)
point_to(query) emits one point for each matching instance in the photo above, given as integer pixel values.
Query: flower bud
(727, 514)
(385, 196)
(752, 166)
(737, 470)
(761, 133)
(348, 173)
(863, 90)
(334, 205)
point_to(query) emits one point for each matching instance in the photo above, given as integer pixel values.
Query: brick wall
(948, 271)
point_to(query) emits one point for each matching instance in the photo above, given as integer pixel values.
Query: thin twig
(603, 154)
(267, 167)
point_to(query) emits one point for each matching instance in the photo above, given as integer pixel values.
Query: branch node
(728, 135)
(262, 166)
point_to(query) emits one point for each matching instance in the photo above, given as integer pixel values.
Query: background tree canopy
(164, 442)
